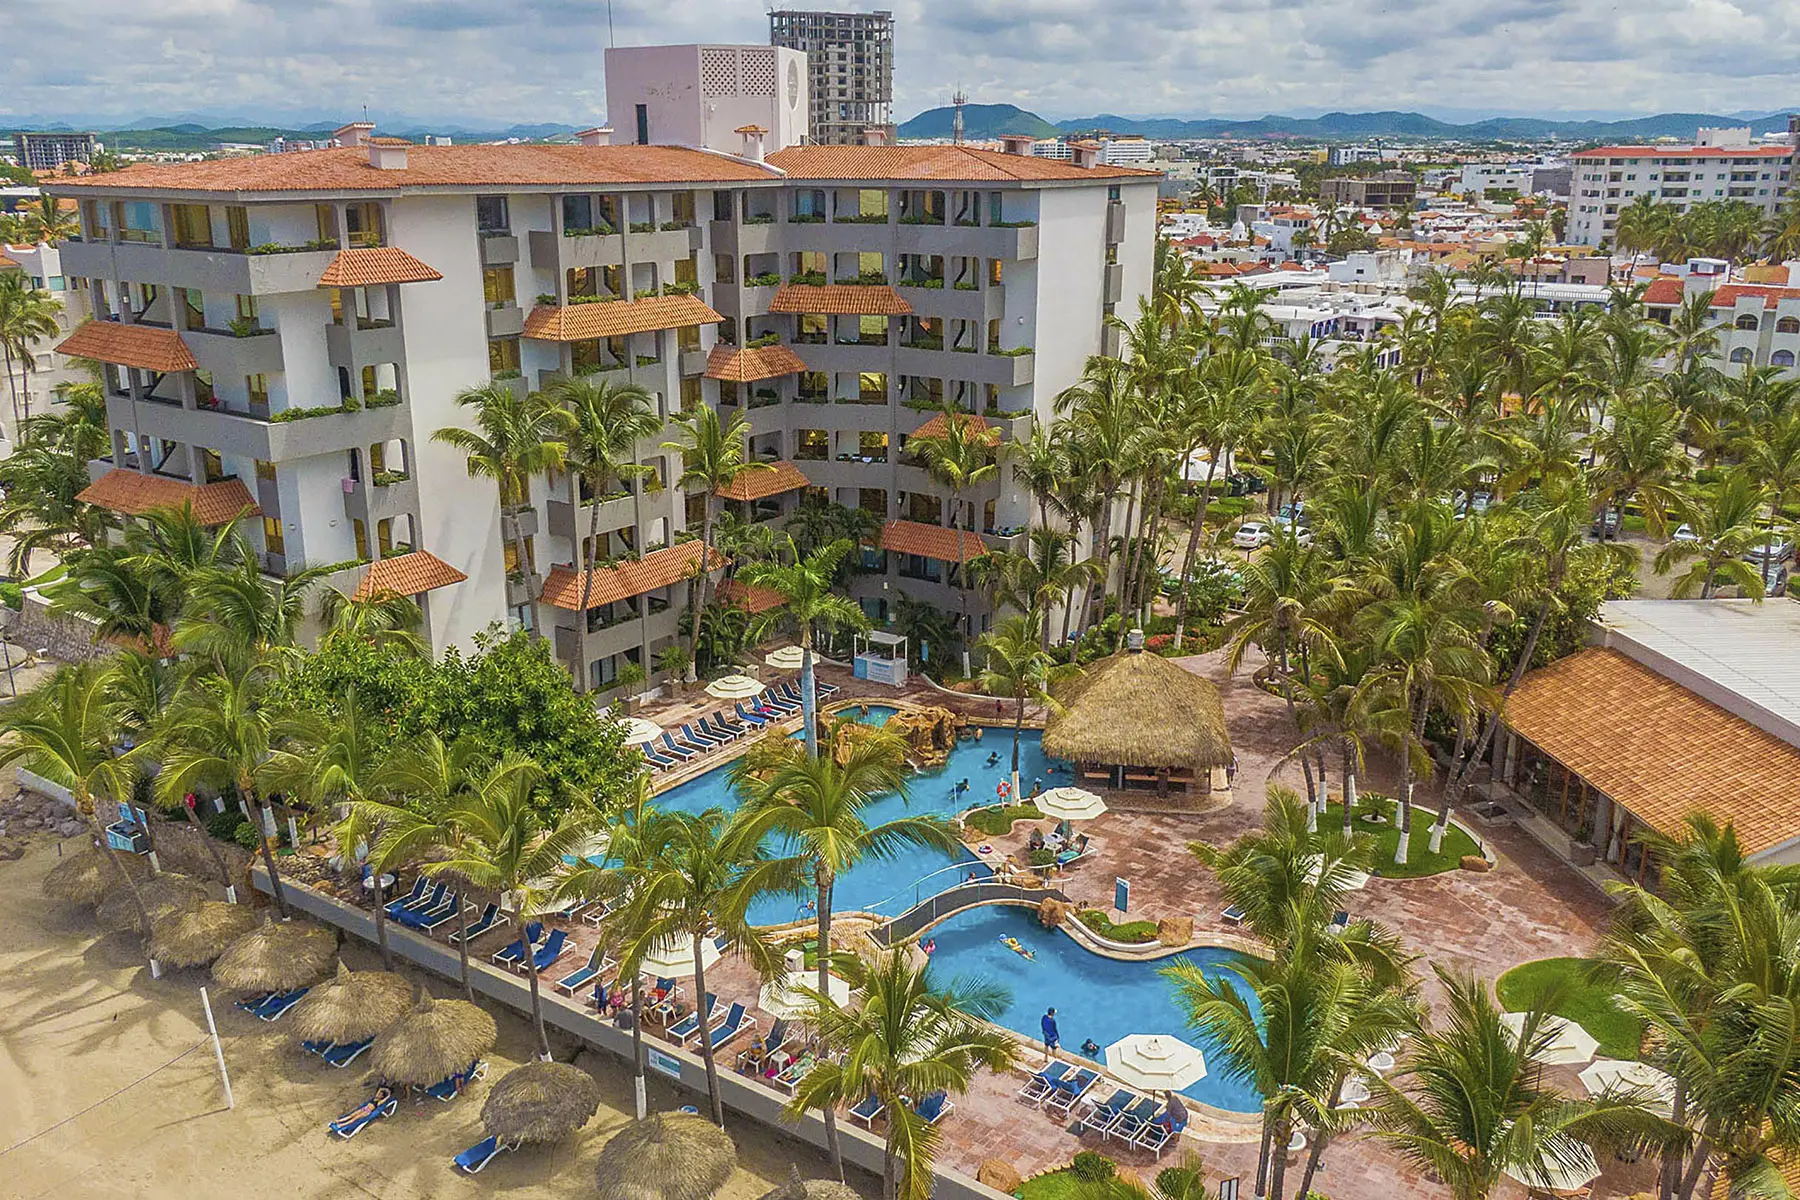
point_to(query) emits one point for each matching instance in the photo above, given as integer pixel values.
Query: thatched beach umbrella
(277, 957)
(85, 877)
(433, 1041)
(666, 1156)
(193, 937)
(540, 1102)
(1139, 710)
(352, 1006)
(161, 894)
(797, 1188)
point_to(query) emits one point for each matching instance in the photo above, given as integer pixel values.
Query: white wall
(683, 111)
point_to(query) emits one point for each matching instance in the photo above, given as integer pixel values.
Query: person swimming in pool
(993, 758)
(1091, 1048)
(929, 947)
(1017, 947)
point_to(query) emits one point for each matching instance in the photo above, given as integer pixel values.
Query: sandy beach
(109, 1087)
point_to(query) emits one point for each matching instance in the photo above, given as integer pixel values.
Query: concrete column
(1219, 782)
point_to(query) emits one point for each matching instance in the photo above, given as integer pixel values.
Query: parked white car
(1685, 534)
(1250, 535)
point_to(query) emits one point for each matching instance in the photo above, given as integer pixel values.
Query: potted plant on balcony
(630, 681)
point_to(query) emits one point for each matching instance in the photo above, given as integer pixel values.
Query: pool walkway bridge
(964, 896)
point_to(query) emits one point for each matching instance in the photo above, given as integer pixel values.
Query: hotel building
(1721, 166)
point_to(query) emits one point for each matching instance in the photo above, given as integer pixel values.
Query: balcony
(371, 502)
(328, 430)
(559, 252)
(228, 356)
(354, 347)
(208, 270)
(1115, 282)
(499, 249)
(506, 321)
(1115, 221)
(571, 523)
(969, 241)
(520, 524)
(523, 589)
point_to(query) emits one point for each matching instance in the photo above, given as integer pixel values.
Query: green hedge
(1131, 932)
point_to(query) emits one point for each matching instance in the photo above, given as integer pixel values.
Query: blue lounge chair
(756, 1058)
(481, 1154)
(491, 916)
(251, 1003)
(430, 918)
(551, 950)
(1131, 1122)
(789, 693)
(779, 703)
(1340, 921)
(709, 726)
(1100, 1114)
(597, 963)
(449, 1089)
(671, 993)
(867, 1109)
(418, 893)
(670, 739)
(515, 951)
(319, 1047)
(689, 1027)
(729, 724)
(736, 1021)
(654, 759)
(823, 688)
(751, 719)
(381, 1104)
(276, 1006)
(345, 1053)
(1039, 1085)
(705, 741)
(676, 748)
(1234, 915)
(1157, 1137)
(430, 902)
(1068, 1090)
(933, 1107)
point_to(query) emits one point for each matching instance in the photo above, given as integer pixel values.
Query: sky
(500, 62)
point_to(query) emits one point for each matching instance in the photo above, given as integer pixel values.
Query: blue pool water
(1094, 997)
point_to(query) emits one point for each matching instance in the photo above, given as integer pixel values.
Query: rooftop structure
(850, 69)
(705, 96)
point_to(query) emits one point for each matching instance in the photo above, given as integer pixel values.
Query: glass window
(272, 539)
(811, 444)
(193, 306)
(681, 206)
(361, 534)
(872, 385)
(497, 286)
(140, 222)
(265, 470)
(246, 307)
(364, 222)
(872, 202)
(723, 271)
(58, 283)
(691, 395)
(237, 226)
(257, 386)
(577, 213)
(326, 217)
(212, 468)
(503, 355)
(721, 206)
(490, 214)
(193, 225)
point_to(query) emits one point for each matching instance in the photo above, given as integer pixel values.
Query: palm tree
(903, 1040)
(1470, 1102)
(1104, 415)
(232, 611)
(962, 457)
(1230, 402)
(48, 222)
(27, 316)
(1016, 664)
(607, 422)
(66, 731)
(713, 457)
(1726, 520)
(383, 619)
(514, 439)
(806, 586)
(1640, 455)
(813, 807)
(697, 883)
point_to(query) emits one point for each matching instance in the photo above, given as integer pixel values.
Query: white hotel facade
(283, 335)
(1722, 165)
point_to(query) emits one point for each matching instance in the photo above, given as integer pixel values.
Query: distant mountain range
(188, 136)
(993, 120)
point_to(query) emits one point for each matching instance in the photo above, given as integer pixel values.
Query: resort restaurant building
(1676, 707)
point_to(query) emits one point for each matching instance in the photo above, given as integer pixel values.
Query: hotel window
(682, 207)
(812, 329)
(872, 202)
(237, 226)
(361, 533)
(193, 307)
(577, 213)
(687, 337)
(870, 263)
(364, 223)
(497, 286)
(503, 355)
(687, 270)
(384, 536)
(811, 444)
(272, 539)
(490, 214)
(193, 226)
(139, 222)
(691, 395)
(212, 468)
(203, 388)
(257, 386)
(265, 471)
(584, 356)
(326, 217)
(994, 269)
(872, 386)
(723, 269)
(246, 307)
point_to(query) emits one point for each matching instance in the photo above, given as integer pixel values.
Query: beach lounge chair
(823, 688)
(427, 904)
(663, 1009)
(688, 1028)
(1039, 1085)
(756, 1058)
(660, 762)
(420, 885)
(277, 1005)
(550, 951)
(705, 741)
(715, 725)
(751, 719)
(491, 916)
(251, 1003)
(676, 748)
(345, 1053)
(729, 724)
(481, 1154)
(776, 702)
(442, 914)
(1233, 915)
(866, 1110)
(932, 1108)
(515, 951)
(736, 1021)
(318, 1047)
(1068, 1090)
(1340, 921)
(1157, 1137)
(381, 1104)
(449, 1089)
(1097, 1115)
(597, 964)
(1131, 1122)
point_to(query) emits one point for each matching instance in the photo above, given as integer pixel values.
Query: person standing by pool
(1174, 1114)
(1051, 1040)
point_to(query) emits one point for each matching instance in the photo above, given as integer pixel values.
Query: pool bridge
(947, 903)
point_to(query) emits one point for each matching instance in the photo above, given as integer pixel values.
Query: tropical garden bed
(997, 821)
(1582, 1000)
(1375, 816)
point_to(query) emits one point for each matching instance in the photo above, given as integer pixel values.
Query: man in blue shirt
(1051, 1041)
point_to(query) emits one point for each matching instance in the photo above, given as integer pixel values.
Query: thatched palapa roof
(193, 937)
(433, 1041)
(540, 1102)
(1138, 709)
(797, 1188)
(277, 957)
(161, 894)
(85, 877)
(666, 1156)
(352, 1006)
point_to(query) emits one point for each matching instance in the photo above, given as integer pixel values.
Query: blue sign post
(1122, 895)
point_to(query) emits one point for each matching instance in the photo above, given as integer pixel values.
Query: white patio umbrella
(1581, 1169)
(788, 658)
(783, 997)
(1569, 1042)
(677, 958)
(638, 731)
(734, 687)
(1613, 1074)
(1155, 1061)
(1070, 804)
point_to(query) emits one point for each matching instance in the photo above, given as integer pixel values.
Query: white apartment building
(1481, 177)
(1609, 177)
(704, 96)
(284, 334)
(1759, 324)
(35, 390)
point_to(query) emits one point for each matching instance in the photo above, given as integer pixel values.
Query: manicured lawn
(1420, 861)
(1057, 1185)
(1586, 1004)
(1129, 932)
(996, 821)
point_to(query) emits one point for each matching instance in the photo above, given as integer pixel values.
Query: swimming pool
(891, 886)
(1099, 998)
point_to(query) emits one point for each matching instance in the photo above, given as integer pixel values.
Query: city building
(1389, 189)
(1718, 166)
(1759, 324)
(34, 390)
(705, 95)
(1477, 178)
(52, 151)
(838, 296)
(850, 70)
(1344, 156)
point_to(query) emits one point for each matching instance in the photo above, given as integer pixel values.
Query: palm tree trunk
(1349, 786)
(1018, 732)
(267, 818)
(1401, 847)
(462, 947)
(587, 583)
(823, 880)
(207, 841)
(1094, 604)
(637, 1044)
(697, 597)
(706, 1050)
(1697, 1164)
(1262, 1157)
(1458, 782)
(809, 692)
(1126, 547)
(1670, 1171)
(381, 931)
(537, 1005)
(524, 567)
(1193, 548)
(1317, 1151)
(890, 1167)
(1278, 1161)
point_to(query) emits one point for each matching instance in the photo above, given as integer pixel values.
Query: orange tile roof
(1658, 749)
(135, 493)
(448, 167)
(142, 346)
(407, 575)
(1685, 152)
(757, 484)
(938, 426)
(1664, 289)
(749, 597)
(748, 366)
(932, 541)
(1727, 295)
(616, 318)
(365, 265)
(850, 300)
(658, 569)
(6, 261)
(935, 162)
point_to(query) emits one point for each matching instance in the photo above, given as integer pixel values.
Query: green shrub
(223, 825)
(12, 595)
(1182, 1183)
(1042, 858)
(1092, 1167)
(246, 836)
(1131, 932)
(997, 821)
